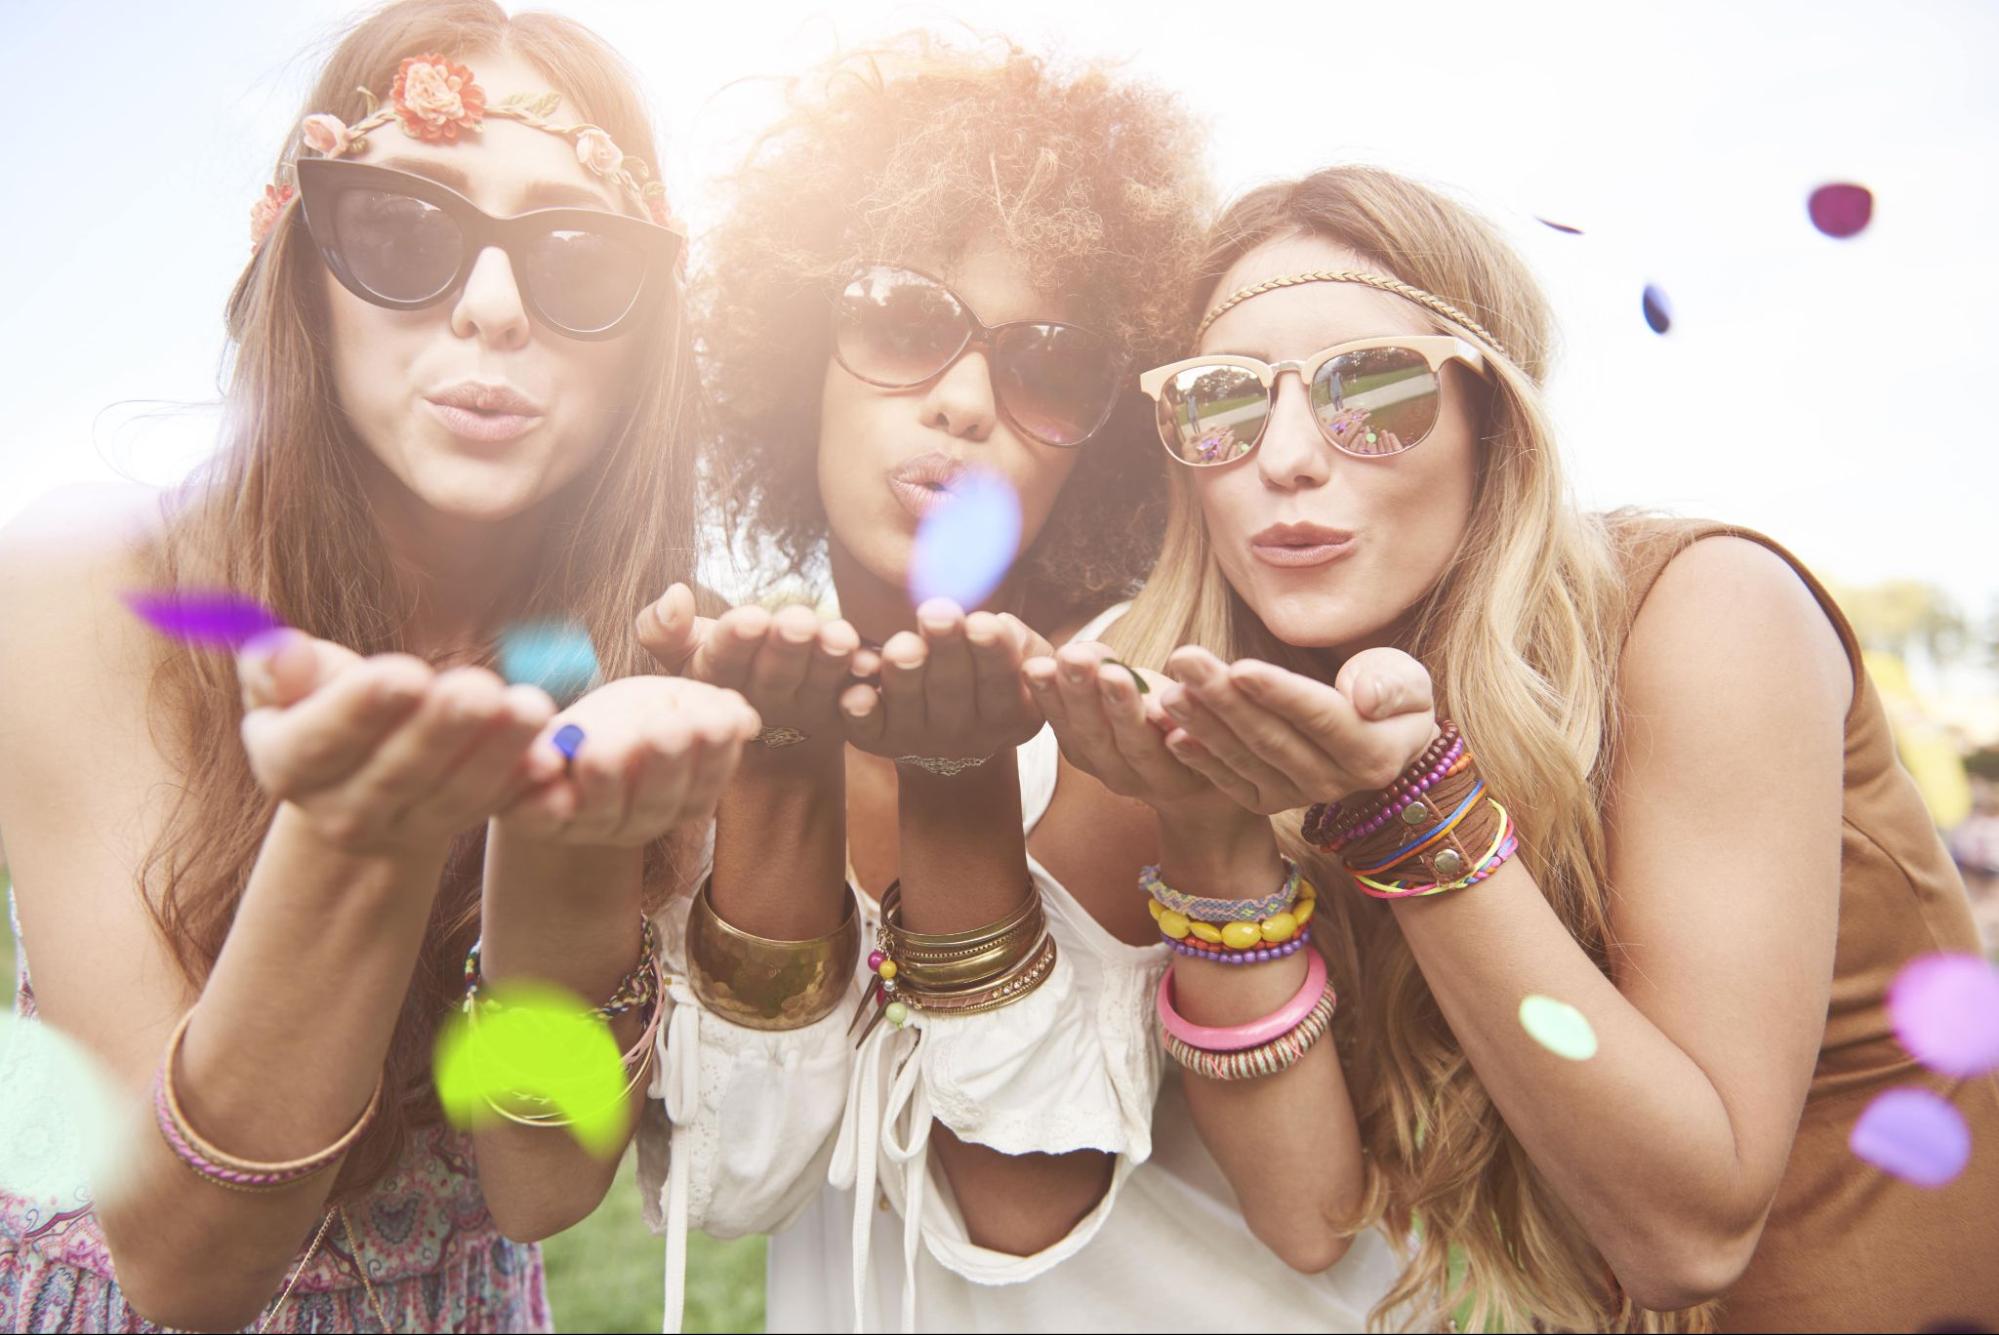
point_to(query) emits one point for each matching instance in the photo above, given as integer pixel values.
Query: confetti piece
(1946, 1013)
(568, 739)
(1841, 209)
(966, 543)
(1136, 680)
(1558, 1027)
(1657, 313)
(1913, 1134)
(535, 1050)
(219, 619)
(1560, 227)
(554, 655)
(68, 1133)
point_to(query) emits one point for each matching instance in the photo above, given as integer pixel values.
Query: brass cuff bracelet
(765, 984)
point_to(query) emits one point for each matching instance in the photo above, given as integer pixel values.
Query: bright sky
(1834, 393)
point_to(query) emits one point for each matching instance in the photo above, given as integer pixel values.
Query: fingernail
(1075, 673)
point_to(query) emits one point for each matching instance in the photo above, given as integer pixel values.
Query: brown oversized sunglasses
(897, 328)
(1371, 397)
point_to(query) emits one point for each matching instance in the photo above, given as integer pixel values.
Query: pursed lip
(484, 411)
(1300, 545)
(918, 484)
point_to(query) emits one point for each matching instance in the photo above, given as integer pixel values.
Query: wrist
(387, 871)
(1220, 856)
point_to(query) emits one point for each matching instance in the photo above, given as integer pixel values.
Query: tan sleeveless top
(1848, 1247)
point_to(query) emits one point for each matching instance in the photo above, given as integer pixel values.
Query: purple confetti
(1560, 227)
(1946, 1013)
(1913, 1134)
(966, 543)
(568, 739)
(1657, 313)
(221, 619)
(1841, 209)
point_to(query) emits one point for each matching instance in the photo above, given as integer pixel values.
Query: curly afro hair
(1095, 182)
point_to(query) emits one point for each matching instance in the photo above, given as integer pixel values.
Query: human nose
(490, 308)
(1293, 455)
(961, 399)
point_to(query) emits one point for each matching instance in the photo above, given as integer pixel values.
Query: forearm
(1636, 1140)
(964, 866)
(281, 1055)
(1288, 1143)
(567, 915)
(781, 842)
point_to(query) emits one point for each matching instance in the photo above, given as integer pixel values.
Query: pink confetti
(1946, 1013)
(1560, 227)
(1841, 209)
(1913, 1134)
(221, 619)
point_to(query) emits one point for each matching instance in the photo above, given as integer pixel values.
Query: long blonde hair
(279, 515)
(1521, 636)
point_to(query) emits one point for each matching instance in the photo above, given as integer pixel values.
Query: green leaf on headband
(1136, 679)
(369, 99)
(636, 166)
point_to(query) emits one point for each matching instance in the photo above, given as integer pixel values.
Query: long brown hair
(1521, 638)
(279, 515)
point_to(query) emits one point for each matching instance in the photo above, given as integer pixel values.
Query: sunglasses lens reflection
(1058, 382)
(896, 328)
(1377, 400)
(398, 247)
(583, 281)
(1212, 414)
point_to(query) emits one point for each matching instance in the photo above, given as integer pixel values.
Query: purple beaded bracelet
(1260, 955)
(1395, 800)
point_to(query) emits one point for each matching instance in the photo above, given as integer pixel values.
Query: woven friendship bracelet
(1206, 909)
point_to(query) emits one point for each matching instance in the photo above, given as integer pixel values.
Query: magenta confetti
(1560, 227)
(220, 619)
(1841, 209)
(1657, 313)
(1946, 1012)
(1913, 1134)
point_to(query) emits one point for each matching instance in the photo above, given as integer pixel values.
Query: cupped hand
(1275, 740)
(653, 755)
(951, 689)
(386, 755)
(789, 665)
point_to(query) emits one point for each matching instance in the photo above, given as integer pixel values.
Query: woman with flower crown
(249, 887)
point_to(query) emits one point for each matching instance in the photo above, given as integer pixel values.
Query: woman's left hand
(1275, 740)
(654, 755)
(950, 690)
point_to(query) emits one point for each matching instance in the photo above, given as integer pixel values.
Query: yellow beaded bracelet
(1278, 927)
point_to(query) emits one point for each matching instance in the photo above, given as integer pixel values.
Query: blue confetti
(554, 655)
(568, 739)
(967, 542)
(1657, 313)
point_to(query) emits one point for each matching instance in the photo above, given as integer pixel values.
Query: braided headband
(438, 100)
(1435, 304)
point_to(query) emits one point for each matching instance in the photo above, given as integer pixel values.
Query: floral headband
(437, 100)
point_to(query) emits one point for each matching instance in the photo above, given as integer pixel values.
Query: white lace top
(800, 1135)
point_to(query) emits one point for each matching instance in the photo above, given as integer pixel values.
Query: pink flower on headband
(436, 98)
(264, 214)
(326, 135)
(595, 150)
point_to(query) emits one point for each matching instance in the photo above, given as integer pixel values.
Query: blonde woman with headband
(1627, 771)
(250, 886)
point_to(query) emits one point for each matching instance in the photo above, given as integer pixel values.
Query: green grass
(607, 1272)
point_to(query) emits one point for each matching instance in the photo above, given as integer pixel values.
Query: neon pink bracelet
(1283, 1020)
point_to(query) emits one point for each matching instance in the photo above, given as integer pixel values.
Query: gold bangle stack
(955, 973)
(761, 983)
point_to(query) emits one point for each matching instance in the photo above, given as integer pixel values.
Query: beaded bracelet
(1204, 909)
(1259, 955)
(637, 988)
(1331, 825)
(224, 1169)
(1279, 1054)
(1276, 928)
(640, 1051)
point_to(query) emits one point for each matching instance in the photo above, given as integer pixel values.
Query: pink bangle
(1283, 1020)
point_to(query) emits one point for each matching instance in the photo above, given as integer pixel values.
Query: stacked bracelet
(639, 987)
(1234, 925)
(954, 973)
(1199, 950)
(224, 1169)
(762, 983)
(1259, 1048)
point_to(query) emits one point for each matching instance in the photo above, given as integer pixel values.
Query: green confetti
(1136, 679)
(1558, 1027)
(535, 1050)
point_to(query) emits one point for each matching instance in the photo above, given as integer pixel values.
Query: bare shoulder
(1730, 620)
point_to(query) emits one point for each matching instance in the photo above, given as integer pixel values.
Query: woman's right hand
(1106, 730)
(386, 755)
(790, 665)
